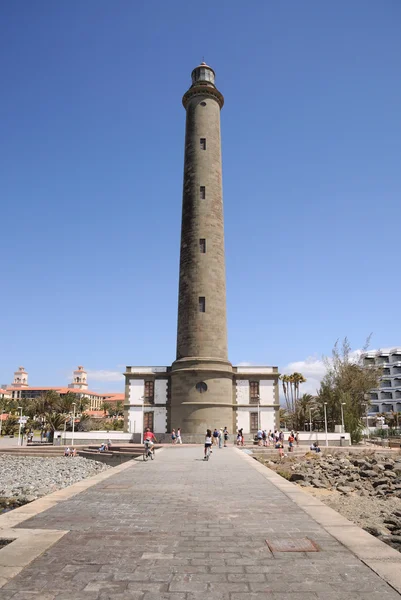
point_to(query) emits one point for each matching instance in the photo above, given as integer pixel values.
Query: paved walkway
(179, 528)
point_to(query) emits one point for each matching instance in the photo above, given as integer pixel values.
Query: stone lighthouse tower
(201, 389)
(201, 376)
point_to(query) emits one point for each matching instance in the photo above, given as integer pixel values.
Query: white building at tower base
(255, 401)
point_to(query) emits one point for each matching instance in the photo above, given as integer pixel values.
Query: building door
(254, 426)
(148, 420)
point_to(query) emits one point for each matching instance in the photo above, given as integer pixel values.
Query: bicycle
(148, 452)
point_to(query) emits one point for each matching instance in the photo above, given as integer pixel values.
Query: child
(208, 442)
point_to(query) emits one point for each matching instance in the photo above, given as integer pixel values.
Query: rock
(344, 489)
(392, 522)
(376, 531)
(390, 474)
(379, 482)
(368, 473)
(317, 483)
(297, 477)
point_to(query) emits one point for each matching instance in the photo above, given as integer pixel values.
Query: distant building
(20, 389)
(387, 397)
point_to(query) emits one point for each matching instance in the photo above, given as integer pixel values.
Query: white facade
(137, 407)
(161, 387)
(259, 411)
(256, 399)
(386, 398)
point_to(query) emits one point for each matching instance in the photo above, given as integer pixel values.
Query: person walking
(215, 437)
(173, 437)
(220, 438)
(179, 440)
(225, 434)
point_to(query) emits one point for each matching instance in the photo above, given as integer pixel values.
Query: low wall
(305, 438)
(91, 437)
(109, 459)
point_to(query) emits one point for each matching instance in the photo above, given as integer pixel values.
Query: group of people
(219, 438)
(176, 436)
(70, 452)
(105, 446)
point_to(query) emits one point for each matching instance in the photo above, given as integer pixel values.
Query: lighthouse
(201, 389)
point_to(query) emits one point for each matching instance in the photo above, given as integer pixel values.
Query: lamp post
(310, 420)
(325, 423)
(20, 424)
(143, 417)
(366, 416)
(258, 412)
(342, 416)
(73, 424)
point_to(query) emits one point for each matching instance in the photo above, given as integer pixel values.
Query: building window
(202, 246)
(254, 425)
(202, 192)
(148, 420)
(203, 143)
(201, 387)
(203, 103)
(202, 304)
(254, 391)
(149, 391)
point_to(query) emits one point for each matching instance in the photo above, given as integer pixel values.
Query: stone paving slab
(178, 528)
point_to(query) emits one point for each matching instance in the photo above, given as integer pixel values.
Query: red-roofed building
(20, 389)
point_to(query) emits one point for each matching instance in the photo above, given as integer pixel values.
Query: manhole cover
(299, 545)
(4, 542)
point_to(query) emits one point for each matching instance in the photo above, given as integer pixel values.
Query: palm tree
(66, 402)
(119, 406)
(106, 406)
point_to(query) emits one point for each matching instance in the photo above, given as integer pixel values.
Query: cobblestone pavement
(179, 528)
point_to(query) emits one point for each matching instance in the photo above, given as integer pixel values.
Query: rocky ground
(24, 479)
(366, 488)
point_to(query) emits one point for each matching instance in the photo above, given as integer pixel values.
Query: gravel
(24, 479)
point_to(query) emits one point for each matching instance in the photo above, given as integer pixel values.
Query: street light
(20, 424)
(258, 412)
(342, 415)
(310, 419)
(366, 416)
(325, 422)
(73, 424)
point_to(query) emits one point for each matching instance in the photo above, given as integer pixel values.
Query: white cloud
(312, 368)
(104, 375)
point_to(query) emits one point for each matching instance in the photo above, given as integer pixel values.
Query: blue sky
(91, 155)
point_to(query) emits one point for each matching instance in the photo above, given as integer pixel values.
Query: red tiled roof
(65, 390)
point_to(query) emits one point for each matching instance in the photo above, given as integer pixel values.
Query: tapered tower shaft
(202, 328)
(202, 376)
